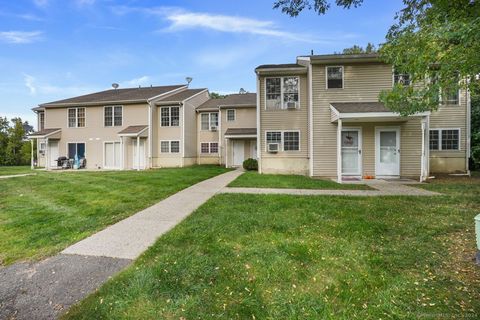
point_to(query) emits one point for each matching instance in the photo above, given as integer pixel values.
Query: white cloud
(30, 83)
(20, 37)
(41, 3)
(24, 16)
(36, 87)
(182, 20)
(141, 81)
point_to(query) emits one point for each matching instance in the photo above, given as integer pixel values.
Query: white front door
(139, 159)
(53, 153)
(387, 151)
(238, 152)
(351, 152)
(253, 150)
(113, 155)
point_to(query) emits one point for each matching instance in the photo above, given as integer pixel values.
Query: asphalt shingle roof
(115, 95)
(44, 132)
(132, 129)
(232, 100)
(240, 131)
(182, 95)
(280, 66)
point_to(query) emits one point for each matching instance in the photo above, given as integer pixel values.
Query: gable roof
(280, 66)
(181, 96)
(230, 101)
(130, 95)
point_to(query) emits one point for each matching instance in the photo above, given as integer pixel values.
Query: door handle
(359, 151)
(398, 150)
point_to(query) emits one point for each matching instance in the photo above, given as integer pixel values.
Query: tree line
(15, 149)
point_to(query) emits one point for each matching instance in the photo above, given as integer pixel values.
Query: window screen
(334, 77)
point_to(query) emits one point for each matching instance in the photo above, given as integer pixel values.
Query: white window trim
(440, 140)
(234, 115)
(105, 156)
(169, 116)
(39, 120)
(282, 91)
(76, 117)
(282, 132)
(77, 142)
(113, 116)
(441, 104)
(170, 147)
(326, 77)
(209, 147)
(393, 77)
(209, 120)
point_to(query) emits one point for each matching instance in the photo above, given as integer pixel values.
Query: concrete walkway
(383, 188)
(130, 237)
(17, 175)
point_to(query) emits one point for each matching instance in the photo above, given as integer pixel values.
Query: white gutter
(310, 118)
(468, 133)
(150, 143)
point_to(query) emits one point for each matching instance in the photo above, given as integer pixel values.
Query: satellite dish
(188, 79)
(242, 91)
(115, 85)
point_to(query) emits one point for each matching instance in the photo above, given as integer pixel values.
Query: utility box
(477, 233)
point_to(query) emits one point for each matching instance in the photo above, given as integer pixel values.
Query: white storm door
(238, 152)
(351, 152)
(387, 151)
(53, 153)
(139, 161)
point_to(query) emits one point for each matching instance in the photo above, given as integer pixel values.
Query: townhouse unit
(321, 117)
(139, 128)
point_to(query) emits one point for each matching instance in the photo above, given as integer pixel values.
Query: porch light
(477, 232)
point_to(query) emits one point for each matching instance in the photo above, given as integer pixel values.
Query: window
(209, 147)
(113, 116)
(76, 149)
(445, 139)
(231, 115)
(282, 92)
(41, 121)
(334, 77)
(290, 140)
(170, 116)
(401, 78)
(76, 117)
(167, 146)
(42, 147)
(450, 97)
(209, 120)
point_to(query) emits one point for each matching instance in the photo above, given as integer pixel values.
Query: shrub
(250, 164)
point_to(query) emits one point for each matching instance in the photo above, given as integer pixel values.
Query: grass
(10, 170)
(312, 257)
(252, 179)
(42, 214)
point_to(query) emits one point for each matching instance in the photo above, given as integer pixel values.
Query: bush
(250, 164)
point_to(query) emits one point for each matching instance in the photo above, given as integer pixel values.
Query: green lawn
(252, 179)
(313, 257)
(42, 214)
(10, 170)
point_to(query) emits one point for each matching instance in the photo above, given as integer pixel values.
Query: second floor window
(231, 115)
(450, 97)
(334, 77)
(76, 117)
(170, 116)
(41, 121)
(209, 120)
(113, 116)
(281, 92)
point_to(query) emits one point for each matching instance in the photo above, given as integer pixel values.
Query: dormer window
(334, 77)
(282, 93)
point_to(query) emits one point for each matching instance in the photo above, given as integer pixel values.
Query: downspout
(339, 151)
(310, 118)
(31, 156)
(183, 133)
(422, 158)
(47, 155)
(220, 147)
(259, 134)
(468, 133)
(150, 140)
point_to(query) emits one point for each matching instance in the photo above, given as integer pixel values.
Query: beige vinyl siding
(362, 82)
(190, 126)
(450, 117)
(280, 120)
(94, 134)
(167, 133)
(245, 117)
(207, 136)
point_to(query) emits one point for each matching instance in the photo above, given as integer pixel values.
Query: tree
(370, 48)
(4, 130)
(435, 41)
(14, 148)
(475, 140)
(216, 95)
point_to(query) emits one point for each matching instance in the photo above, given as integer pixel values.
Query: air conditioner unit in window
(213, 128)
(273, 147)
(291, 105)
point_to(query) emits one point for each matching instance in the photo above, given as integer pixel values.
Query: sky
(55, 49)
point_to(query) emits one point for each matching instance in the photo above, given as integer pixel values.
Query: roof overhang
(141, 132)
(371, 116)
(237, 106)
(47, 133)
(344, 58)
(281, 71)
(240, 136)
(95, 103)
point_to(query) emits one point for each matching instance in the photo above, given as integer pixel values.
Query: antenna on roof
(115, 85)
(188, 79)
(311, 52)
(242, 91)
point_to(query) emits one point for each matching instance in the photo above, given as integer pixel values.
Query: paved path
(130, 237)
(17, 175)
(383, 188)
(44, 290)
